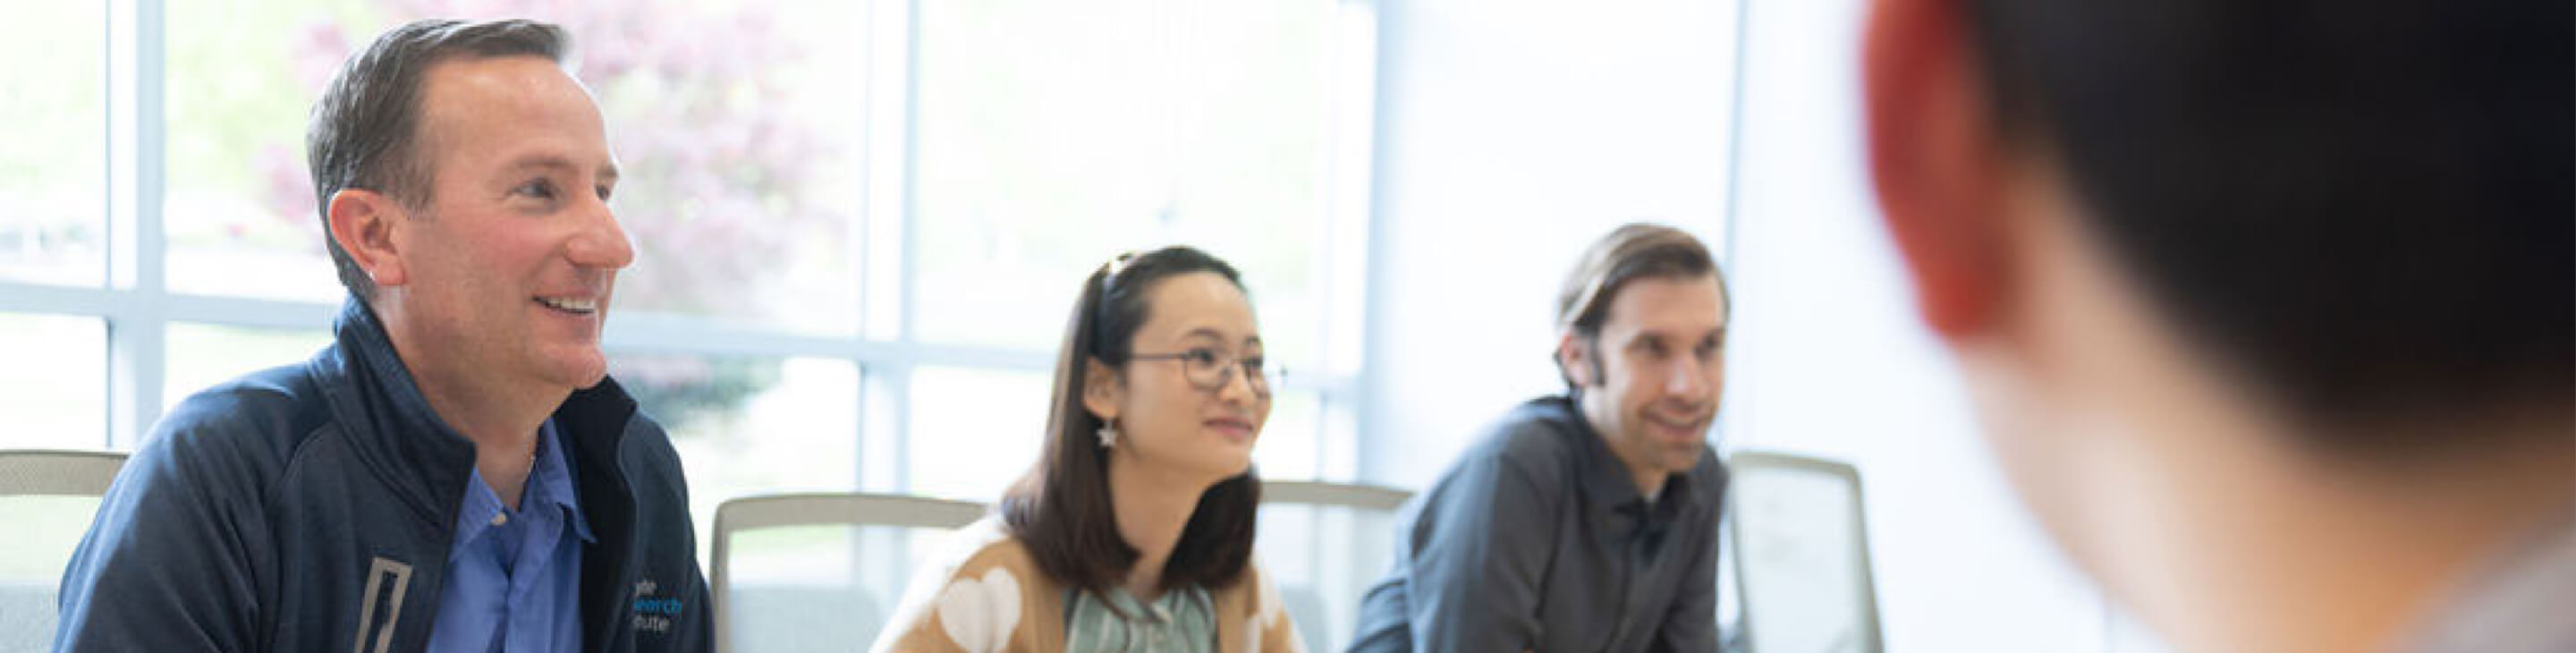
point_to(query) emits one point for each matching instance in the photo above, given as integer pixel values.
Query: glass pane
(241, 78)
(1053, 135)
(53, 391)
(205, 355)
(749, 425)
(53, 116)
(737, 125)
(974, 431)
(1288, 447)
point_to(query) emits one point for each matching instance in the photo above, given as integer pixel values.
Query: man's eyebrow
(559, 163)
(1645, 336)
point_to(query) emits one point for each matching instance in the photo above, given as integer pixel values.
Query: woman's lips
(1231, 428)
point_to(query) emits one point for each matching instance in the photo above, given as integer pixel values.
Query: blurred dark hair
(1633, 251)
(1061, 509)
(2362, 206)
(365, 127)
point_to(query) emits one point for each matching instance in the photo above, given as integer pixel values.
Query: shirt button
(500, 518)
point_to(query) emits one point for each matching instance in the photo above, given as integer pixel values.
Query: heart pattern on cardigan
(979, 615)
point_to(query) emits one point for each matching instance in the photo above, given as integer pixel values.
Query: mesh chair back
(1324, 544)
(819, 572)
(47, 499)
(1802, 554)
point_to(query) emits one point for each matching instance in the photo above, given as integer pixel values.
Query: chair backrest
(825, 576)
(1802, 554)
(1323, 544)
(58, 473)
(47, 499)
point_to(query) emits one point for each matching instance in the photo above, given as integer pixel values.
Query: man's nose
(602, 243)
(1686, 378)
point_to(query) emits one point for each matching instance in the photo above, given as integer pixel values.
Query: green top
(1181, 621)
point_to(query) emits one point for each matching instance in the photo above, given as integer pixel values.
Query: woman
(1134, 530)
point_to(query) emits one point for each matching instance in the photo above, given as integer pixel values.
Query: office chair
(1801, 555)
(819, 569)
(1323, 544)
(47, 499)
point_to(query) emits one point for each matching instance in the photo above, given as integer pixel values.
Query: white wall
(1527, 129)
(1829, 358)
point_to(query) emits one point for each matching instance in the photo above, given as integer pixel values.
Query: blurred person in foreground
(455, 472)
(2268, 308)
(1585, 521)
(1134, 530)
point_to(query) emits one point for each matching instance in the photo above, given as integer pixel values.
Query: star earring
(1108, 435)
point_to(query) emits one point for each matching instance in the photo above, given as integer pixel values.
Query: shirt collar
(1606, 480)
(553, 474)
(549, 484)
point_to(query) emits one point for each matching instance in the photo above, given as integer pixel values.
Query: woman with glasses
(1134, 530)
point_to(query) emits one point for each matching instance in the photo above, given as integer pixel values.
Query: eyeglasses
(1210, 369)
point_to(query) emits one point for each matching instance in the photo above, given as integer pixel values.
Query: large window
(859, 225)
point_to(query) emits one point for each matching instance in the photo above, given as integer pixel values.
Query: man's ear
(363, 222)
(1101, 392)
(1574, 359)
(1936, 161)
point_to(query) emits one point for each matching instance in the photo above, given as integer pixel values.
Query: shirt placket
(1631, 566)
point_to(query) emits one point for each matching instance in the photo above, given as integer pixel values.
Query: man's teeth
(570, 305)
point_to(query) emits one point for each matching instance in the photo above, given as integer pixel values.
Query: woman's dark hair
(1061, 509)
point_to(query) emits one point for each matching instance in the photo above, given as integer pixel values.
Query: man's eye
(1201, 356)
(1255, 363)
(540, 189)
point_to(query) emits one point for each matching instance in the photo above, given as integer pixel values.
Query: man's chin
(578, 370)
(1683, 457)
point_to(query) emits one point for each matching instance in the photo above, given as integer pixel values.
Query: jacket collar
(393, 430)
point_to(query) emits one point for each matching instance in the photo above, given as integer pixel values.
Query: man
(2269, 308)
(1586, 521)
(455, 473)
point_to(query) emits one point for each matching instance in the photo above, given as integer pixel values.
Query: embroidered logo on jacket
(381, 606)
(655, 613)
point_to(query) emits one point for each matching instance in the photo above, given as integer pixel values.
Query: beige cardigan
(984, 594)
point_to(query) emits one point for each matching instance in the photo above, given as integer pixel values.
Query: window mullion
(136, 131)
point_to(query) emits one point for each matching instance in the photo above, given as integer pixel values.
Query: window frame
(137, 306)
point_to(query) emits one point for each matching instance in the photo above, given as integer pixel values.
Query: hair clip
(1116, 265)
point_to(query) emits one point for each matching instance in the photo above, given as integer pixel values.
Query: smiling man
(456, 472)
(1586, 521)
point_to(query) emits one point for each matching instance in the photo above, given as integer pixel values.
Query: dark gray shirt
(1537, 539)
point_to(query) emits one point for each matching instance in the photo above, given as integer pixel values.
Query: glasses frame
(1263, 381)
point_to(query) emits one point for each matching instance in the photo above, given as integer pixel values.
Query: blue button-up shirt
(513, 576)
